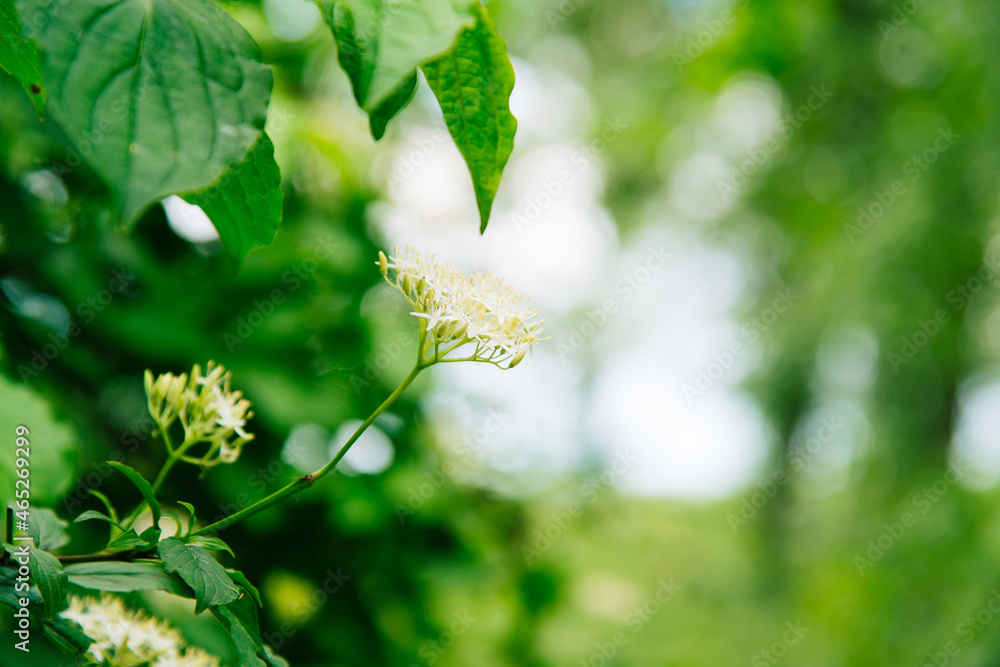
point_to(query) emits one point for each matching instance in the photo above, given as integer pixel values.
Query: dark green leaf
(209, 543)
(9, 594)
(211, 585)
(245, 205)
(239, 618)
(47, 530)
(473, 83)
(191, 518)
(241, 579)
(380, 43)
(144, 488)
(160, 96)
(47, 574)
(380, 117)
(107, 504)
(67, 635)
(19, 55)
(128, 541)
(123, 577)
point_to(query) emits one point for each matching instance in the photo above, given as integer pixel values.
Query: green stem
(304, 482)
(173, 458)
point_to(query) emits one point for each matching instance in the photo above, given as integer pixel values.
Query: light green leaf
(379, 117)
(144, 487)
(159, 96)
(380, 43)
(94, 515)
(473, 83)
(48, 576)
(191, 514)
(123, 577)
(245, 205)
(211, 585)
(19, 55)
(46, 529)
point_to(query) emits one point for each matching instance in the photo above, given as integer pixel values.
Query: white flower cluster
(459, 308)
(125, 638)
(208, 409)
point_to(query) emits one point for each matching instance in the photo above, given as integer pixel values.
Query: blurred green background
(766, 427)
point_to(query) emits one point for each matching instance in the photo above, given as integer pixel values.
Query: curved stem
(304, 482)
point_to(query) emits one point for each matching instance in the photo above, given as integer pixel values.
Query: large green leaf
(123, 577)
(380, 43)
(239, 618)
(245, 205)
(144, 488)
(211, 585)
(19, 55)
(46, 529)
(68, 635)
(48, 576)
(473, 83)
(160, 96)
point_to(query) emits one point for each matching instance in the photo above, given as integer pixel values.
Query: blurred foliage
(365, 588)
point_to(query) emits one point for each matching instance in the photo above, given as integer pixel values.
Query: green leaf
(380, 43)
(144, 488)
(245, 205)
(209, 543)
(19, 55)
(242, 580)
(128, 541)
(46, 529)
(9, 594)
(380, 117)
(211, 585)
(239, 618)
(68, 635)
(47, 574)
(159, 96)
(473, 83)
(191, 518)
(94, 515)
(107, 504)
(123, 577)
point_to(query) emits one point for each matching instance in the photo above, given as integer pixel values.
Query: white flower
(125, 638)
(458, 308)
(209, 410)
